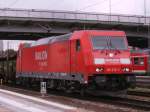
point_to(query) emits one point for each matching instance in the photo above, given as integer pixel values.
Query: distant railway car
(147, 50)
(83, 60)
(141, 62)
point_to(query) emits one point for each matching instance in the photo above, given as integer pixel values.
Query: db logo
(41, 55)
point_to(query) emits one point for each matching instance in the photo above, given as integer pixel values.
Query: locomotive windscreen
(101, 42)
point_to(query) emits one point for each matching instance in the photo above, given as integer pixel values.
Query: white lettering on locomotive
(112, 60)
(41, 55)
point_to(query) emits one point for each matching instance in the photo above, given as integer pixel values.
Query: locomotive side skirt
(60, 76)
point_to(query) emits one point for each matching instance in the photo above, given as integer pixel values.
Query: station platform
(16, 102)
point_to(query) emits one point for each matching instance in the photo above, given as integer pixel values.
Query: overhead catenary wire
(12, 4)
(91, 5)
(52, 4)
(95, 4)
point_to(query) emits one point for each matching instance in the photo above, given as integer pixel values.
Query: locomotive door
(75, 55)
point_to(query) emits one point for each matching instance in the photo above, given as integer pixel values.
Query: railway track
(135, 103)
(91, 102)
(143, 81)
(139, 93)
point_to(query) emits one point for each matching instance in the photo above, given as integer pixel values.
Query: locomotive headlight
(99, 69)
(126, 69)
(111, 54)
(99, 61)
(141, 63)
(125, 61)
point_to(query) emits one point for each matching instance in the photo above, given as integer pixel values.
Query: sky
(130, 7)
(13, 44)
(134, 7)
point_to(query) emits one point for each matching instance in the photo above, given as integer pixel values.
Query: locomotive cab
(104, 58)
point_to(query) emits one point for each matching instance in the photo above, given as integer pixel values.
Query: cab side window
(78, 45)
(136, 61)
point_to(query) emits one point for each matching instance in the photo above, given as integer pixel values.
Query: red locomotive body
(141, 62)
(95, 60)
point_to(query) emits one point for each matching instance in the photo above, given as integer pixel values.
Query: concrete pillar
(149, 43)
(1, 45)
(149, 35)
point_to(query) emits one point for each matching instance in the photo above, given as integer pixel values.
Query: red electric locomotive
(83, 60)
